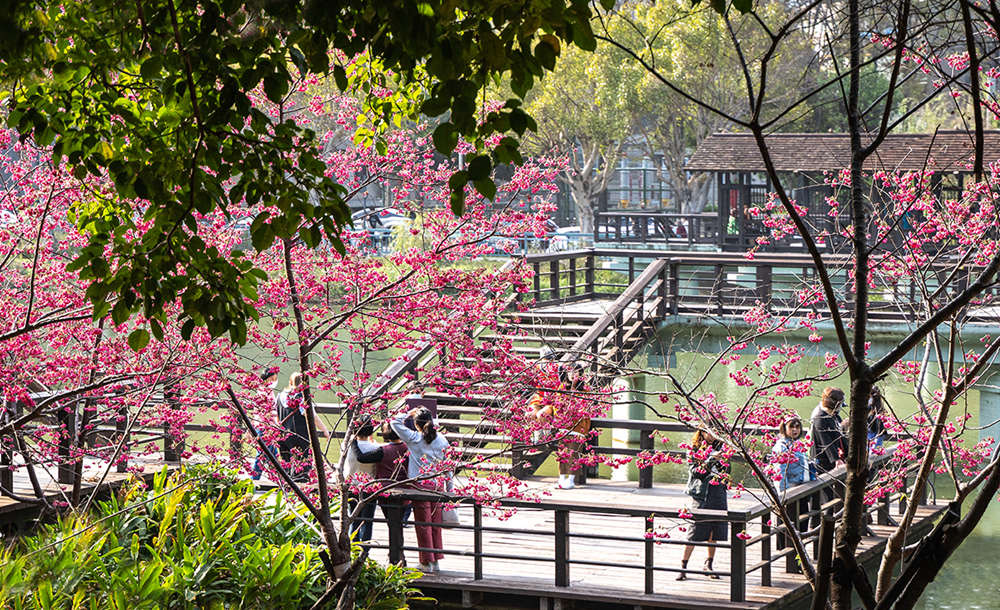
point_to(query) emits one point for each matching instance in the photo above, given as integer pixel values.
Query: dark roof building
(945, 151)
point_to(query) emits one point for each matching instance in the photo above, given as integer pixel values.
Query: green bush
(197, 539)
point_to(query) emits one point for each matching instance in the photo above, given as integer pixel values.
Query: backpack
(697, 484)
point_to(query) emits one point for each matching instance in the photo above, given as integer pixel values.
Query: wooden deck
(16, 514)
(608, 554)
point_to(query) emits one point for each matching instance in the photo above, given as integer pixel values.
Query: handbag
(449, 514)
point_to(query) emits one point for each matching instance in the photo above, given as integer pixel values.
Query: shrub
(196, 539)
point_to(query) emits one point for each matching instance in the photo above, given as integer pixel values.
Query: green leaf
(187, 329)
(743, 6)
(458, 180)
(150, 68)
(275, 87)
(340, 77)
(479, 168)
(138, 339)
(445, 138)
(487, 188)
(546, 55)
(457, 202)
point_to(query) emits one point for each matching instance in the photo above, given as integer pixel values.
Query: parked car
(379, 218)
(7, 219)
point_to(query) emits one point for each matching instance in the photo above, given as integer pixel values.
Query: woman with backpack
(707, 479)
(294, 448)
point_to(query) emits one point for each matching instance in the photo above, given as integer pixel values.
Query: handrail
(400, 366)
(738, 522)
(621, 303)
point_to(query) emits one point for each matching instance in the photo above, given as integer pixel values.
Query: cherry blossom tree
(899, 243)
(84, 388)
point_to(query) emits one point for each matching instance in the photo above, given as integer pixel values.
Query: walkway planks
(607, 553)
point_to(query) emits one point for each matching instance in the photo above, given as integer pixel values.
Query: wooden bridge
(592, 543)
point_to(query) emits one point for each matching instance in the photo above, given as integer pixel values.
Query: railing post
(7, 450)
(764, 283)
(172, 446)
(631, 270)
(477, 541)
(649, 555)
(66, 416)
(572, 277)
(554, 279)
(589, 275)
(537, 281)
(394, 521)
(646, 472)
(717, 289)
(675, 288)
(661, 308)
(765, 550)
(737, 557)
(517, 462)
(791, 561)
(562, 547)
(121, 434)
(882, 514)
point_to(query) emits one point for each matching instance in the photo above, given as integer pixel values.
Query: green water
(971, 578)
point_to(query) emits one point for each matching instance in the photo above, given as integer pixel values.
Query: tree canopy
(163, 98)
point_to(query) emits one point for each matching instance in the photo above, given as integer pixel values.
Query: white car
(379, 218)
(7, 219)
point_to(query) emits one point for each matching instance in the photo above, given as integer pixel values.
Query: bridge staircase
(574, 311)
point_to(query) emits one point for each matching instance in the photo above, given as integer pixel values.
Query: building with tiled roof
(944, 151)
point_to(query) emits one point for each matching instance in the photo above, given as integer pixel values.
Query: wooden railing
(753, 531)
(728, 284)
(657, 227)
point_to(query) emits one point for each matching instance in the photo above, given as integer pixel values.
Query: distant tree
(587, 111)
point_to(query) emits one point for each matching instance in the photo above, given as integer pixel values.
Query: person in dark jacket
(708, 479)
(828, 441)
(876, 427)
(390, 462)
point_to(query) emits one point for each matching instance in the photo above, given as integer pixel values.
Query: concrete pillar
(622, 409)
(989, 403)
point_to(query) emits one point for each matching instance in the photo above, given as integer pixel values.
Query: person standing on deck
(828, 442)
(573, 431)
(292, 411)
(427, 447)
(707, 481)
(361, 525)
(390, 460)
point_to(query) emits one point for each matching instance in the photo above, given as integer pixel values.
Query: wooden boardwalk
(608, 555)
(16, 514)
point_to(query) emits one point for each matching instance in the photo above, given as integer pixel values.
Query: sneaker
(426, 568)
(435, 567)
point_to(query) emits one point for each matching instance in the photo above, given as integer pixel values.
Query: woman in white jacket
(427, 447)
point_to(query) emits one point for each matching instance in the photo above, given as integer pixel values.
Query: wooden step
(451, 399)
(548, 329)
(556, 316)
(476, 439)
(523, 338)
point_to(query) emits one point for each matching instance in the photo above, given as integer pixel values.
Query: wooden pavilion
(805, 160)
